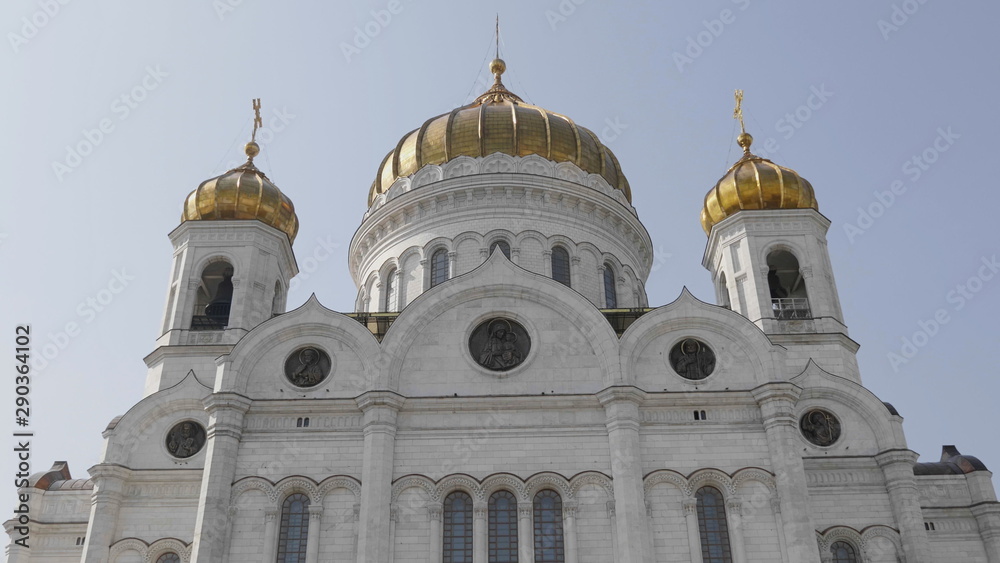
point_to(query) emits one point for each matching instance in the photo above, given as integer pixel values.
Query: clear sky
(849, 94)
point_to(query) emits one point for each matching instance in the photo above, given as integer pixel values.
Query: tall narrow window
(610, 291)
(457, 545)
(391, 292)
(560, 265)
(503, 528)
(843, 552)
(169, 558)
(294, 529)
(439, 267)
(503, 246)
(714, 529)
(548, 528)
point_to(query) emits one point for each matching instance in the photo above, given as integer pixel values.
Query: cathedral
(503, 391)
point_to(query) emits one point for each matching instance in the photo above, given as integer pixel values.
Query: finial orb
(497, 66)
(252, 149)
(744, 140)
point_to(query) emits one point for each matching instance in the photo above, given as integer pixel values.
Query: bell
(218, 309)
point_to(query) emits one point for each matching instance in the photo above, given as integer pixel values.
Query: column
(777, 403)
(988, 517)
(434, 513)
(897, 466)
(225, 429)
(621, 405)
(525, 533)
(313, 539)
(109, 490)
(270, 550)
(379, 425)
(694, 534)
(452, 263)
(569, 531)
(547, 262)
(734, 508)
(480, 533)
(16, 553)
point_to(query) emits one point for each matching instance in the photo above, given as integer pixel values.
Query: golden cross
(498, 36)
(256, 120)
(738, 112)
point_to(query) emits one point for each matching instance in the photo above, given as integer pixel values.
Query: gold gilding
(755, 183)
(498, 121)
(242, 193)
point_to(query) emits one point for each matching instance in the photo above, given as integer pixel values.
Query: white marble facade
(603, 420)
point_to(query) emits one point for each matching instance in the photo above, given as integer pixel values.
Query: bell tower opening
(789, 299)
(215, 297)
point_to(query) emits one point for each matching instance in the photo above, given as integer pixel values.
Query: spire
(745, 139)
(252, 149)
(498, 92)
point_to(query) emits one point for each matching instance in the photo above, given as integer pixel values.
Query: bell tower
(232, 265)
(767, 251)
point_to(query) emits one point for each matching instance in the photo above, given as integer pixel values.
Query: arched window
(560, 265)
(714, 529)
(391, 292)
(169, 557)
(610, 289)
(548, 528)
(215, 297)
(788, 289)
(457, 544)
(276, 300)
(503, 528)
(724, 292)
(439, 267)
(294, 529)
(843, 552)
(502, 245)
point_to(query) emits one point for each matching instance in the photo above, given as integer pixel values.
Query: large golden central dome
(498, 121)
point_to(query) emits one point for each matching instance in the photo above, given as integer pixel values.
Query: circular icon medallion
(306, 367)
(185, 439)
(499, 344)
(692, 359)
(820, 427)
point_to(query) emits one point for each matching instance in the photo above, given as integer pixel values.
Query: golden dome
(498, 121)
(755, 183)
(242, 193)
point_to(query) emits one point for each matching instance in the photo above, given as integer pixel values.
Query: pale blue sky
(887, 93)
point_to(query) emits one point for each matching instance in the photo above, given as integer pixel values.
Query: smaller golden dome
(755, 183)
(240, 194)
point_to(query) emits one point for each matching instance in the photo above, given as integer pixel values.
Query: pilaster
(621, 406)
(777, 403)
(109, 486)
(897, 466)
(224, 432)
(379, 410)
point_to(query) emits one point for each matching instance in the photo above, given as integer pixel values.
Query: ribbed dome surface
(756, 183)
(242, 193)
(498, 121)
